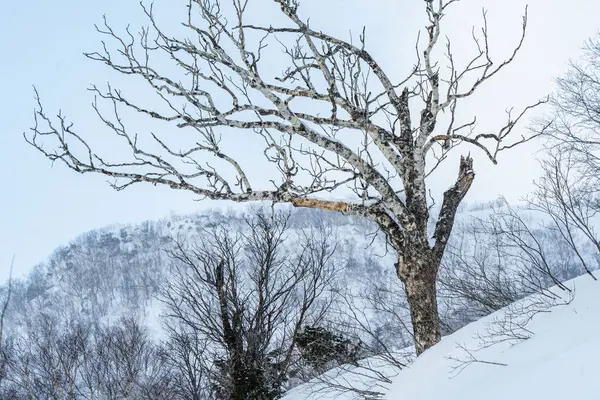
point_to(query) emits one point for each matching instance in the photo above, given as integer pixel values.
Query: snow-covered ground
(559, 360)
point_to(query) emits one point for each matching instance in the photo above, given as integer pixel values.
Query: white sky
(42, 44)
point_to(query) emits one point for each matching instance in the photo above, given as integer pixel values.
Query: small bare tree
(334, 120)
(122, 362)
(568, 191)
(575, 118)
(509, 262)
(496, 261)
(475, 277)
(185, 352)
(245, 299)
(568, 195)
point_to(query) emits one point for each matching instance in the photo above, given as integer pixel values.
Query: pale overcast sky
(42, 44)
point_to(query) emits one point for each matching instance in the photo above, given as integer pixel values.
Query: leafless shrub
(510, 327)
(467, 360)
(495, 261)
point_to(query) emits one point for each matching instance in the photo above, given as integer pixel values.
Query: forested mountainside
(497, 255)
(120, 269)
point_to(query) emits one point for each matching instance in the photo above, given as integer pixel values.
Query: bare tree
(245, 299)
(333, 121)
(476, 278)
(575, 118)
(124, 363)
(568, 191)
(511, 262)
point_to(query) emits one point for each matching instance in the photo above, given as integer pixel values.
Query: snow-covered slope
(554, 356)
(558, 361)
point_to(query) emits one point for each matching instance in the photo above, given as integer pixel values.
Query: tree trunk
(419, 278)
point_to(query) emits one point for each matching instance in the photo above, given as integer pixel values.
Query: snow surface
(559, 360)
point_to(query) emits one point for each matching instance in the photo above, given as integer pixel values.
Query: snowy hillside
(496, 257)
(119, 270)
(553, 356)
